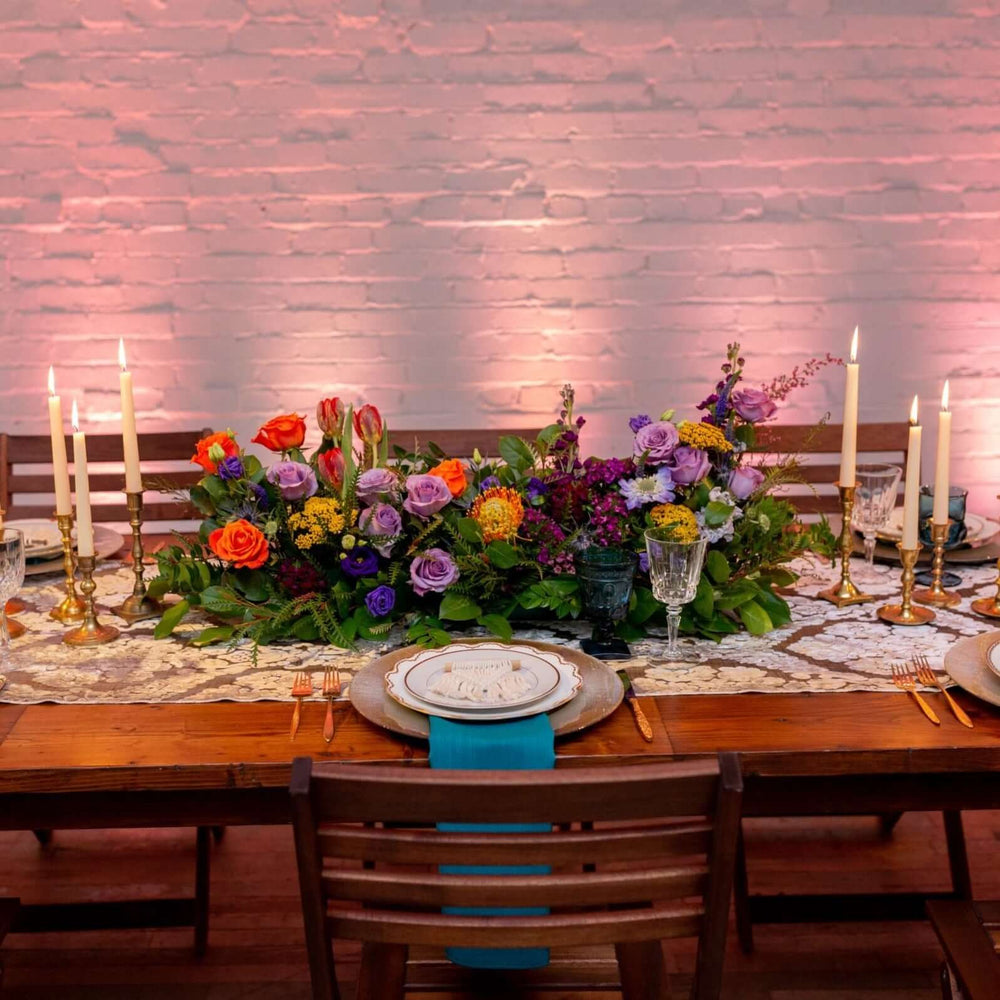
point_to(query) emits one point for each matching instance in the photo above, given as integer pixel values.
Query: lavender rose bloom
(426, 495)
(432, 571)
(380, 601)
(381, 519)
(374, 482)
(230, 468)
(294, 479)
(689, 465)
(744, 481)
(658, 439)
(753, 405)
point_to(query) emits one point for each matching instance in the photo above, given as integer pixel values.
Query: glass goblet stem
(870, 548)
(4, 636)
(673, 624)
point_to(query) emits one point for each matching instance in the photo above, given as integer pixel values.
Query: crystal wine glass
(11, 579)
(674, 570)
(874, 501)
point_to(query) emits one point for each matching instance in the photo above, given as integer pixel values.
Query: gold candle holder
(845, 592)
(935, 594)
(91, 632)
(139, 605)
(989, 606)
(905, 613)
(14, 607)
(70, 608)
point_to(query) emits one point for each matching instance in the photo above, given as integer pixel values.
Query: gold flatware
(302, 687)
(633, 703)
(906, 681)
(331, 690)
(927, 677)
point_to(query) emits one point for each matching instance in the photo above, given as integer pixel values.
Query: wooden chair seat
(969, 934)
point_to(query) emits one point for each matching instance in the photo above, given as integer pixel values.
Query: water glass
(957, 530)
(874, 500)
(605, 577)
(11, 580)
(674, 570)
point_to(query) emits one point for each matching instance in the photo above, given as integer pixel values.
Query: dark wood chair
(820, 446)
(368, 855)
(26, 474)
(459, 443)
(8, 911)
(969, 934)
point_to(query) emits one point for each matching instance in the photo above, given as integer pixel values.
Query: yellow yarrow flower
(681, 519)
(320, 518)
(706, 436)
(499, 512)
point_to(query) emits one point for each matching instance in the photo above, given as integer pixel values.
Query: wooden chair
(26, 474)
(876, 442)
(8, 911)
(648, 877)
(969, 934)
(459, 443)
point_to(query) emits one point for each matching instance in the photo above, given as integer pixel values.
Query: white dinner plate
(993, 658)
(979, 530)
(42, 539)
(107, 542)
(972, 663)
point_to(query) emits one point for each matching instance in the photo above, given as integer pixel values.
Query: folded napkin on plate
(517, 745)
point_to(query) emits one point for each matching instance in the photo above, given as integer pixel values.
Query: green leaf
(549, 434)
(516, 453)
(171, 619)
(746, 434)
(158, 588)
(253, 585)
(202, 500)
(777, 609)
(642, 605)
(498, 625)
(780, 577)
(459, 608)
(717, 513)
(502, 554)
(718, 566)
(469, 529)
(306, 629)
(218, 633)
(704, 600)
(738, 593)
(755, 618)
(220, 601)
(722, 624)
(698, 497)
(251, 465)
(215, 488)
(629, 631)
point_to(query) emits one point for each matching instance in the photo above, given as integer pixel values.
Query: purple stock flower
(230, 468)
(380, 601)
(639, 421)
(433, 571)
(488, 483)
(689, 465)
(295, 480)
(609, 522)
(426, 495)
(753, 405)
(744, 481)
(381, 519)
(375, 482)
(657, 488)
(657, 441)
(606, 471)
(360, 561)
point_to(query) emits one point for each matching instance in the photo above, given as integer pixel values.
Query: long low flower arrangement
(351, 540)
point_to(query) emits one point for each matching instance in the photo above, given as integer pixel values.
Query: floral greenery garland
(346, 543)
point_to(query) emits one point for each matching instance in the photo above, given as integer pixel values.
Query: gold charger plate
(601, 692)
(965, 663)
(888, 553)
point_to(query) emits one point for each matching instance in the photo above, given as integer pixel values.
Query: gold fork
(905, 681)
(927, 677)
(331, 690)
(302, 687)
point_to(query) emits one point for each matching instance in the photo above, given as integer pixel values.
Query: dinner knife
(633, 702)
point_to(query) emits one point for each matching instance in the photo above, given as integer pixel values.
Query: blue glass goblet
(605, 577)
(956, 532)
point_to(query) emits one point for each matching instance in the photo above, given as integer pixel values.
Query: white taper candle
(849, 441)
(130, 436)
(84, 519)
(941, 483)
(60, 466)
(911, 498)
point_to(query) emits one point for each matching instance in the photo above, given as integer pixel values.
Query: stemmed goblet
(674, 571)
(11, 580)
(874, 500)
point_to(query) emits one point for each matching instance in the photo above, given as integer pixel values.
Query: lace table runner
(822, 649)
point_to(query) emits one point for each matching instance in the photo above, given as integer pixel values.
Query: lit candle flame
(52, 381)
(915, 411)
(854, 347)
(75, 420)
(121, 354)
(944, 397)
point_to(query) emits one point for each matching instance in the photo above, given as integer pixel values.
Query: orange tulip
(452, 471)
(368, 424)
(223, 440)
(241, 544)
(282, 433)
(330, 417)
(331, 467)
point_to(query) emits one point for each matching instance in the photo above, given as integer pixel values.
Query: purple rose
(376, 482)
(360, 561)
(381, 519)
(657, 441)
(380, 601)
(744, 481)
(432, 571)
(294, 479)
(689, 465)
(230, 468)
(753, 405)
(426, 495)
(639, 421)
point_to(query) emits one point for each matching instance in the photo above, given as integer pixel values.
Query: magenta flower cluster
(609, 521)
(540, 529)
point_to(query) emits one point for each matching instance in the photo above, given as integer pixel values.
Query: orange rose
(282, 433)
(223, 440)
(452, 472)
(241, 544)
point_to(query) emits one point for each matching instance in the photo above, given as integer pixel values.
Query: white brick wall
(452, 207)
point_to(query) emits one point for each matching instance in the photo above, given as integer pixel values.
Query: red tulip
(331, 467)
(330, 417)
(368, 424)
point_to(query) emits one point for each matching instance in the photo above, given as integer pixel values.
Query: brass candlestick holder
(70, 608)
(989, 606)
(905, 613)
(935, 594)
(139, 605)
(845, 593)
(91, 632)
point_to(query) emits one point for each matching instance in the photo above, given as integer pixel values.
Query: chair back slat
(459, 443)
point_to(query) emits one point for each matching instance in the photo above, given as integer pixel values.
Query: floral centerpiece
(352, 539)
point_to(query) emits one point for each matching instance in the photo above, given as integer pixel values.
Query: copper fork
(331, 690)
(302, 687)
(927, 677)
(905, 681)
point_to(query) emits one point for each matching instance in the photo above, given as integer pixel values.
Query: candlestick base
(136, 609)
(139, 605)
(905, 613)
(845, 592)
(937, 599)
(68, 610)
(71, 608)
(936, 595)
(91, 632)
(988, 606)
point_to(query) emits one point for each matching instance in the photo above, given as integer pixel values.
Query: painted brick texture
(451, 207)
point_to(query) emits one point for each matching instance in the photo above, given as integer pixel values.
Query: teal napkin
(518, 745)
